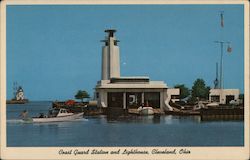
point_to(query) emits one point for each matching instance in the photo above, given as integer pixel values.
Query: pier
(206, 114)
(222, 113)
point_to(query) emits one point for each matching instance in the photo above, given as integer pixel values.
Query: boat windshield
(54, 112)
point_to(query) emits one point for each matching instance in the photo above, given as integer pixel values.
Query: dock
(211, 113)
(222, 113)
(183, 112)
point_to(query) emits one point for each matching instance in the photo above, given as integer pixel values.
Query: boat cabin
(59, 112)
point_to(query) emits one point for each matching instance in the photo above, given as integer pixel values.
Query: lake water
(164, 130)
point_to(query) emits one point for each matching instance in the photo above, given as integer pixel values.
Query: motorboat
(55, 115)
(145, 110)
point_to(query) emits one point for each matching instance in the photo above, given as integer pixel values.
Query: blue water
(165, 130)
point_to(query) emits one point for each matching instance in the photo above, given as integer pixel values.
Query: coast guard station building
(115, 91)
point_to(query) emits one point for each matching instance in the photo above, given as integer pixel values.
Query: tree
(241, 96)
(184, 91)
(199, 90)
(81, 94)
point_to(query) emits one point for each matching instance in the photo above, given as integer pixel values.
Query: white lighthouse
(20, 94)
(110, 57)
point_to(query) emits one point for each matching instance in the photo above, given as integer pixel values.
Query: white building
(128, 92)
(223, 96)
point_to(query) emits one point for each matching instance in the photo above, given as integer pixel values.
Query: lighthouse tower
(20, 94)
(110, 56)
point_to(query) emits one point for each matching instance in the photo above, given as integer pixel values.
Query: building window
(97, 94)
(152, 98)
(175, 96)
(229, 98)
(215, 98)
(133, 99)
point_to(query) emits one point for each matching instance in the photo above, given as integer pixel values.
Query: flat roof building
(223, 96)
(115, 91)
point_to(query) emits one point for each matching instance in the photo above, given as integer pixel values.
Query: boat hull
(146, 111)
(58, 119)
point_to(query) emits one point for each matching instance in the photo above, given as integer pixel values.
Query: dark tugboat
(18, 96)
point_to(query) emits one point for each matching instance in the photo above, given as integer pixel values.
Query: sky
(55, 50)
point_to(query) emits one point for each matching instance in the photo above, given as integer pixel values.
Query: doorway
(115, 99)
(229, 98)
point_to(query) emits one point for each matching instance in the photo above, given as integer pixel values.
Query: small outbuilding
(223, 96)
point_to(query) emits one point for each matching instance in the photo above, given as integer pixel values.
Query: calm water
(134, 131)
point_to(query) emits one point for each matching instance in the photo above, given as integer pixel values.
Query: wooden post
(124, 100)
(142, 98)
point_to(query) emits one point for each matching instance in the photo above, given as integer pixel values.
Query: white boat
(213, 104)
(146, 110)
(56, 115)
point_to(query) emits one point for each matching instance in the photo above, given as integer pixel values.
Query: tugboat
(18, 96)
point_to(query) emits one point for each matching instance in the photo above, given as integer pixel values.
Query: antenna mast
(221, 53)
(221, 61)
(216, 81)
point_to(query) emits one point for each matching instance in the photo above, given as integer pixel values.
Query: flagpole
(221, 47)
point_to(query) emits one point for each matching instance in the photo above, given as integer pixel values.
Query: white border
(52, 152)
